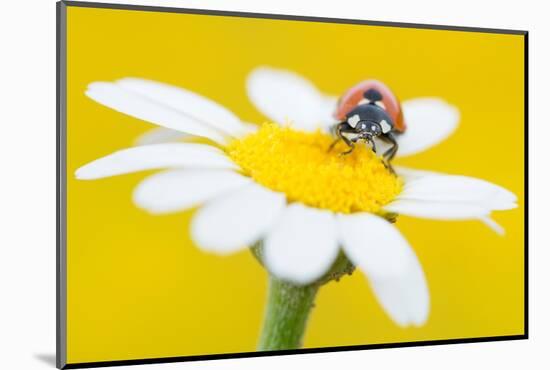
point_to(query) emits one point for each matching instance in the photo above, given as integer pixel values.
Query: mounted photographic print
(237, 184)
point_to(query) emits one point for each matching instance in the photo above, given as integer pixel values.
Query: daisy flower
(277, 187)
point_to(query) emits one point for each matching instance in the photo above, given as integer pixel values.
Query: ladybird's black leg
(338, 134)
(390, 153)
(372, 144)
(351, 143)
(340, 129)
(334, 143)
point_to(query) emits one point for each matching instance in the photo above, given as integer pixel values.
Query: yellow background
(139, 288)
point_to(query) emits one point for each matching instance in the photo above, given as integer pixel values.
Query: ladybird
(368, 110)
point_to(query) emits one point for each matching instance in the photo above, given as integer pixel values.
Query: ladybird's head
(368, 129)
(369, 121)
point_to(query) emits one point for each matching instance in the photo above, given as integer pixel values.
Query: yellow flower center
(299, 164)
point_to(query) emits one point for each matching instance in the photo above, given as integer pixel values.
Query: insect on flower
(366, 111)
(275, 184)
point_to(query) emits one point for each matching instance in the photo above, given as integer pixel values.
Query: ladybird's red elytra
(352, 97)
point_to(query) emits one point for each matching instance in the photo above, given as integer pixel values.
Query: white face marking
(381, 104)
(363, 101)
(353, 120)
(350, 135)
(385, 126)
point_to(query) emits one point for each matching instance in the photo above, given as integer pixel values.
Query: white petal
(133, 104)
(178, 190)
(328, 106)
(187, 102)
(302, 245)
(288, 98)
(405, 298)
(434, 195)
(459, 189)
(437, 210)
(155, 156)
(237, 219)
(410, 174)
(493, 225)
(161, 135)
(250, 128)
(395, 274)
(373, 244)
(429, 121)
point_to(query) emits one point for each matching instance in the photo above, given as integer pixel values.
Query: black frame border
(61, 186)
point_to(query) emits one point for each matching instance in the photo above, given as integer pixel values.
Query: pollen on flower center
(298, 164)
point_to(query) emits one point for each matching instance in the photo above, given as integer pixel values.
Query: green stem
(287, 312)
(289, 305)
